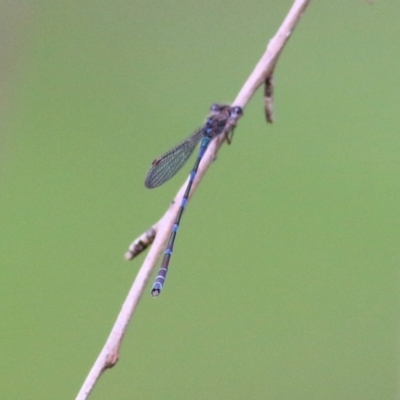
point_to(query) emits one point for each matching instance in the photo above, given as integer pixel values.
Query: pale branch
(162, 229)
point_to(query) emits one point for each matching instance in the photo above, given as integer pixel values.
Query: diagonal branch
(158, 234)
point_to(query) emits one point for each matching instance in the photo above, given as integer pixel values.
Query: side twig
(269, 99)
(160, 231)
(141, 243)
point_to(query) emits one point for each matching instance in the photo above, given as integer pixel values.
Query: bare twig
(264, 68)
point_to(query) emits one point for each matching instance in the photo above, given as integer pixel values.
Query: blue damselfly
(222, 120)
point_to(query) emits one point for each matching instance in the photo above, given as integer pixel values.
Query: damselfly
(222, 119)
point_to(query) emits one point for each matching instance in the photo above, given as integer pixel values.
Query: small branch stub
(141, 243)
(269, 99)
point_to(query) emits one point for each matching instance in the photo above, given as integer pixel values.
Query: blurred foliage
(284, 280)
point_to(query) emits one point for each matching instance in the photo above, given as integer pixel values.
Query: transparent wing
(165, 167)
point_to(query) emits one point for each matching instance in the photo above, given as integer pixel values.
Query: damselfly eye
(237, 112)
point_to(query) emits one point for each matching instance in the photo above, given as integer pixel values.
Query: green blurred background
(284, 283)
